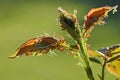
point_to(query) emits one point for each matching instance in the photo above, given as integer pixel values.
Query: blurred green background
(21, 20)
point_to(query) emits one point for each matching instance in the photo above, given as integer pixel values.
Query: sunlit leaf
(26, 48)
(38, 46)
(95, 16)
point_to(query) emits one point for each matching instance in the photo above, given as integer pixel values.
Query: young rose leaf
(95, 16)
(40, 45)
(95, 60)
(69, 19)
(69, 22)
(26, 48)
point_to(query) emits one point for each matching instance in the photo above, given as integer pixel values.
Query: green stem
(83, 49)
(103, 68)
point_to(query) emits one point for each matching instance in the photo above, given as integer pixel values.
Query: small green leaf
(95, 60)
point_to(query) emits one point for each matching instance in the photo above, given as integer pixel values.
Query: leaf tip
(13, 56)
(114, 9)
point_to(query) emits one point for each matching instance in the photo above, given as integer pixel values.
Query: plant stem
(103, 68)
(83, 49)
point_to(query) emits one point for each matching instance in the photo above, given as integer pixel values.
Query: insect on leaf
(114, 67)
(110, 51)
(93, 53)
(113, 58)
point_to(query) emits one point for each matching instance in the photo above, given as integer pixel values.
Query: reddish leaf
(40, 45)
(68, 22)
(95, 16)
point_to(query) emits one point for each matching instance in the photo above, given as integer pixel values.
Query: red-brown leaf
(40, 45)
(95, 16)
